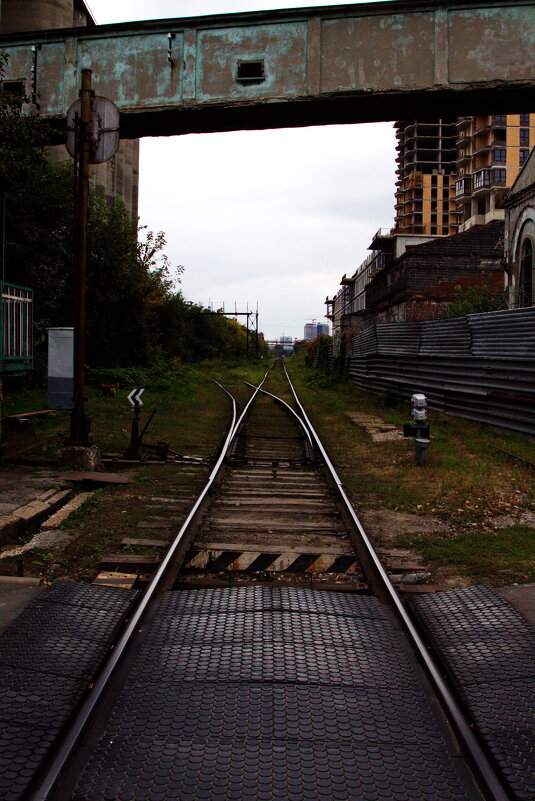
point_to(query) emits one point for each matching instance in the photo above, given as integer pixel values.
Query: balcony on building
(463, 186)
(482, 129)
(481, 180)
(463, 157)
(499, 121)
(498, 141)
(381, 239)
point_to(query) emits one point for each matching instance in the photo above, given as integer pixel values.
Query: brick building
(425, 278)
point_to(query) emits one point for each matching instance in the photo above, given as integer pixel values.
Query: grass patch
(466, 482)
(499, 557)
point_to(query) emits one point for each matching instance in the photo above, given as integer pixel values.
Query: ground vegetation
(469, 512)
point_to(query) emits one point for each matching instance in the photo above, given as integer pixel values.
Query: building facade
(454, 173)
(520, 237)
(426, 165)
(118, 177)
(419, 284)
(491, 151)
(314, 329)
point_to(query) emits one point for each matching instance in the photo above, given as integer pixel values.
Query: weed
(501, 557)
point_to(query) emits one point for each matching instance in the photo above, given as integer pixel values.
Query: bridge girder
(336, 64)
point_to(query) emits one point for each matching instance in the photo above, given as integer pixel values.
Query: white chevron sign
(134, 397)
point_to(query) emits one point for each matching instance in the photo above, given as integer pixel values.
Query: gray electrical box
(60, 368)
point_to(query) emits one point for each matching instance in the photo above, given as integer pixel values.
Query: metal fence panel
(454, 335)
(481, 367)
(398, 337)
(508, 333)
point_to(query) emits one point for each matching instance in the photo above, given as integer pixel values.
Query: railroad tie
(217, 560)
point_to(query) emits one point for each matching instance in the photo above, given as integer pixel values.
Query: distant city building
(287, 343)
(315, 329)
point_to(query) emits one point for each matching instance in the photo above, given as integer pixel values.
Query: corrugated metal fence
(481, 367)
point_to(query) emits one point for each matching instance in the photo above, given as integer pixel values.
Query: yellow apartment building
(453, 173)
(491, 150)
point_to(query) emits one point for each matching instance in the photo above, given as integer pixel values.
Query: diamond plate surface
(503, 708)
(274, 711)
(329, 603)
(60, 639)
(53, 648)
(478, 634)
(275, 661)
(90, 596)
(250, 599)
(221, 770)
(490, 650)
(517, 761)
(22, 748)
(264, 694)
(273, 625)
(36, 698)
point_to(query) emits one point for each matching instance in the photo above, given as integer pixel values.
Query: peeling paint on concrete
(338, 64)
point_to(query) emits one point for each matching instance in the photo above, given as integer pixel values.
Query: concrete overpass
(296, 67)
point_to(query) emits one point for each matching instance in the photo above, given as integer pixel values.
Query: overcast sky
(280, 230)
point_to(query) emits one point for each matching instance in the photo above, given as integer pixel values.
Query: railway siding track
(273, 687)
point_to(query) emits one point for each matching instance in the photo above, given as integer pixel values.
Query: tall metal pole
(247, 334)
(256, 332)
(79, 420)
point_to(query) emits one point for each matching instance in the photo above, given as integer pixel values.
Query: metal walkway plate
(47, 657)
(273, 694)
(489, 650)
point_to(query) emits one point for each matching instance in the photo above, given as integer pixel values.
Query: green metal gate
(16, 326)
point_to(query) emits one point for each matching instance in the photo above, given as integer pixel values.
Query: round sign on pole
(104, 129)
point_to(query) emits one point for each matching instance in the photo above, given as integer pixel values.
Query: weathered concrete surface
(15, 595)
(522, 597)
(318, 65)
(28, 498)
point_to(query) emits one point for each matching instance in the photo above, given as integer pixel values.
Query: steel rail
(484, 769)
(48, 782)
(289, 408)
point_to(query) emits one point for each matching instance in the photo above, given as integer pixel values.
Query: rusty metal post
(247, 333)
(256, 332)
(80, 423)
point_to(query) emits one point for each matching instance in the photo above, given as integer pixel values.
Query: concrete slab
(522, 597)
(15, 594)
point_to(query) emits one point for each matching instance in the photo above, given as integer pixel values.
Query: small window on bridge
(14, 88)
(250, 72)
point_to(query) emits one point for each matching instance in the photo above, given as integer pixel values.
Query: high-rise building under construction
(453, 173)
(425, 174)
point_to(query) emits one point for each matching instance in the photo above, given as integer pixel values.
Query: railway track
(244, 671)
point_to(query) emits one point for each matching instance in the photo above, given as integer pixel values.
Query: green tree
(474, 300)
(22, 136)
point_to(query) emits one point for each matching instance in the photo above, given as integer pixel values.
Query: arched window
(525, 288)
